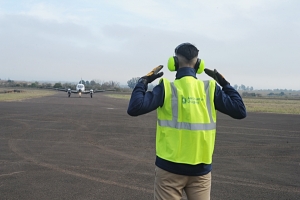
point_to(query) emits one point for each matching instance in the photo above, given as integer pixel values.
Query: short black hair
(187, 50)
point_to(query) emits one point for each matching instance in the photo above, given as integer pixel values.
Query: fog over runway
(57, 147)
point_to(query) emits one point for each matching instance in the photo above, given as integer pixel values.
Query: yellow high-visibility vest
(186, 123)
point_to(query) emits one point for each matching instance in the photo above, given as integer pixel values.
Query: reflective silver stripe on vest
(184, 125)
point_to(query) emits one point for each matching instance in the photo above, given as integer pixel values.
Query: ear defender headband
(173, 63)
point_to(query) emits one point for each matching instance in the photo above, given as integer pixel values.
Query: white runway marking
(11, 173)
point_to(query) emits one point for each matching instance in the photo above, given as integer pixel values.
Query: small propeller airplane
(80, 89)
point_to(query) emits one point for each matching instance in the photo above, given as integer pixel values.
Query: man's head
(186, 55)
(187, 50)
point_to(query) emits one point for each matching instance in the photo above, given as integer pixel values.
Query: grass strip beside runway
(11, 95)
(283, 106)
(280, 106)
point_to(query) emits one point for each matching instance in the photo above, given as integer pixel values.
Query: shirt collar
(185, 71)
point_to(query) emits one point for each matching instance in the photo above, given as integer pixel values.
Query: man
(186, 122)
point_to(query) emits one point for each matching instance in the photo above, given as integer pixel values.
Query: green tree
(34, 85)
(243, 87)
(57, 85)
(93, 82)
(46, 85)
(132, 82)
(67, 85)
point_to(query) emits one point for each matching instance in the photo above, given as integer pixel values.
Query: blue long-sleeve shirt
(227, 100)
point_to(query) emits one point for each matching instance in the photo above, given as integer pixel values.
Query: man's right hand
(154, 74)
(217, 76)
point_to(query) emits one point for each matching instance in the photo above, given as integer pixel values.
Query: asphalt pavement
(84, 148)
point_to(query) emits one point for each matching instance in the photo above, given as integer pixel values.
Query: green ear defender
(199, 66)
(173, 65)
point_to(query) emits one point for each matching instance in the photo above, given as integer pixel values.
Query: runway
(57, 147)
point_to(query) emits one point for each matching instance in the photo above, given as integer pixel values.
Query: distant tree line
(12, 83)
(105, 85)
(133, 81)
(250, 88)
(243, 87)
(251, 94)
(93, 84)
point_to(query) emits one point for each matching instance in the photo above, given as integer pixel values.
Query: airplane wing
(86, 92)
(66, 90)
(91, 91)
(74, 91)
(61, 89)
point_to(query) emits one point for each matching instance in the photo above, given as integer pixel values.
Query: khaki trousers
(169, 186)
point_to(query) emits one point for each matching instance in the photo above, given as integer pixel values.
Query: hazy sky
(251, 42)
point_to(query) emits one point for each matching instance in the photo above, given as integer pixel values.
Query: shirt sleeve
(143, 101)
(228, 101)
